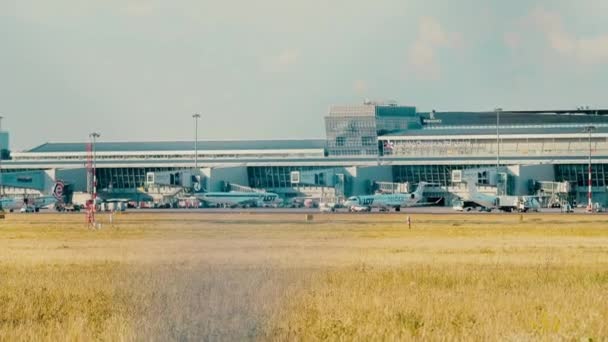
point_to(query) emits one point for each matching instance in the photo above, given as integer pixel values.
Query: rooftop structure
(531, 117)
(353, 130)
(176, 152)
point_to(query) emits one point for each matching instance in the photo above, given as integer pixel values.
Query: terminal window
(368, 141)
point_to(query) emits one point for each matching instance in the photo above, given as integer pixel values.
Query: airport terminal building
(368, 148)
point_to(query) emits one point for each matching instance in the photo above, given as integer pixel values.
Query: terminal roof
(183, 146)
(503, 130)
(519, 117)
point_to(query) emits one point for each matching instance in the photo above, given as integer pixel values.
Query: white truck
(528, 204)
(508, 203)
(326, 207)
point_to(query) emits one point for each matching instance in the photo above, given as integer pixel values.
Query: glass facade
(351, 136)
(487, 147)
(396, 118)
(125, 177)
(578, 174)
(4, 145)
(274, 177)
(354, 130)
(437, 174)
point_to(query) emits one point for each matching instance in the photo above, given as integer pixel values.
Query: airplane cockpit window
(352, 198)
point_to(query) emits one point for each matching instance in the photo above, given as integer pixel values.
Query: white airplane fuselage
(388, 201)
(11, 204)
(36, 203)
(383, 201)
(240, 198)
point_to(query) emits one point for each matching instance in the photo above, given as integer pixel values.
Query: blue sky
(137, 70)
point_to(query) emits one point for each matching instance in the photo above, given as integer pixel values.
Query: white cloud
(423, 61)
(593, 50)
(585, 50)
(287, 58)
(360, 87)
(282, 61)
(431, 32)
(139, 8)
(512, 40)
(422, 55)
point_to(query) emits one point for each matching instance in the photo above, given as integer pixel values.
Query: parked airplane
(33, 204)
(240, 199)
(388, 201)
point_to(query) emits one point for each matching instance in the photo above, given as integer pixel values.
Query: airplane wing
(424, 204)
(45, 201)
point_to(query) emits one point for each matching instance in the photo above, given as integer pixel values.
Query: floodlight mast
(1, 147)
(196, 117)
(589, 129)
(94, 137)
(92, 170)
(497, 111)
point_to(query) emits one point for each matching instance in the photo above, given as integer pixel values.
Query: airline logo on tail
(58, 190)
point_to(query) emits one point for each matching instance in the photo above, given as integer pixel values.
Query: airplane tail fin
(471, 187)
(420, 190)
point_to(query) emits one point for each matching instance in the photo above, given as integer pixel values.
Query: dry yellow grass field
(157, 276)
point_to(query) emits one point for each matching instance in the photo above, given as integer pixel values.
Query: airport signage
(436, 143)
(456, 176)
(295, 177)
(432, 119)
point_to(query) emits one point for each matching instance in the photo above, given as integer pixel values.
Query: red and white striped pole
(94, 175)
(590, 202)
(95, 136)
(93, 162)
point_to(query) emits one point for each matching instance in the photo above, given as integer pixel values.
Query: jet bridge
(324, 183)
(552, 193)
(186, 179)
(392, 188)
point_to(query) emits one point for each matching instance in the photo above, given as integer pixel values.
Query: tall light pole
(589, 129)
(196, 117)
(1, 148)
(497, 111)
